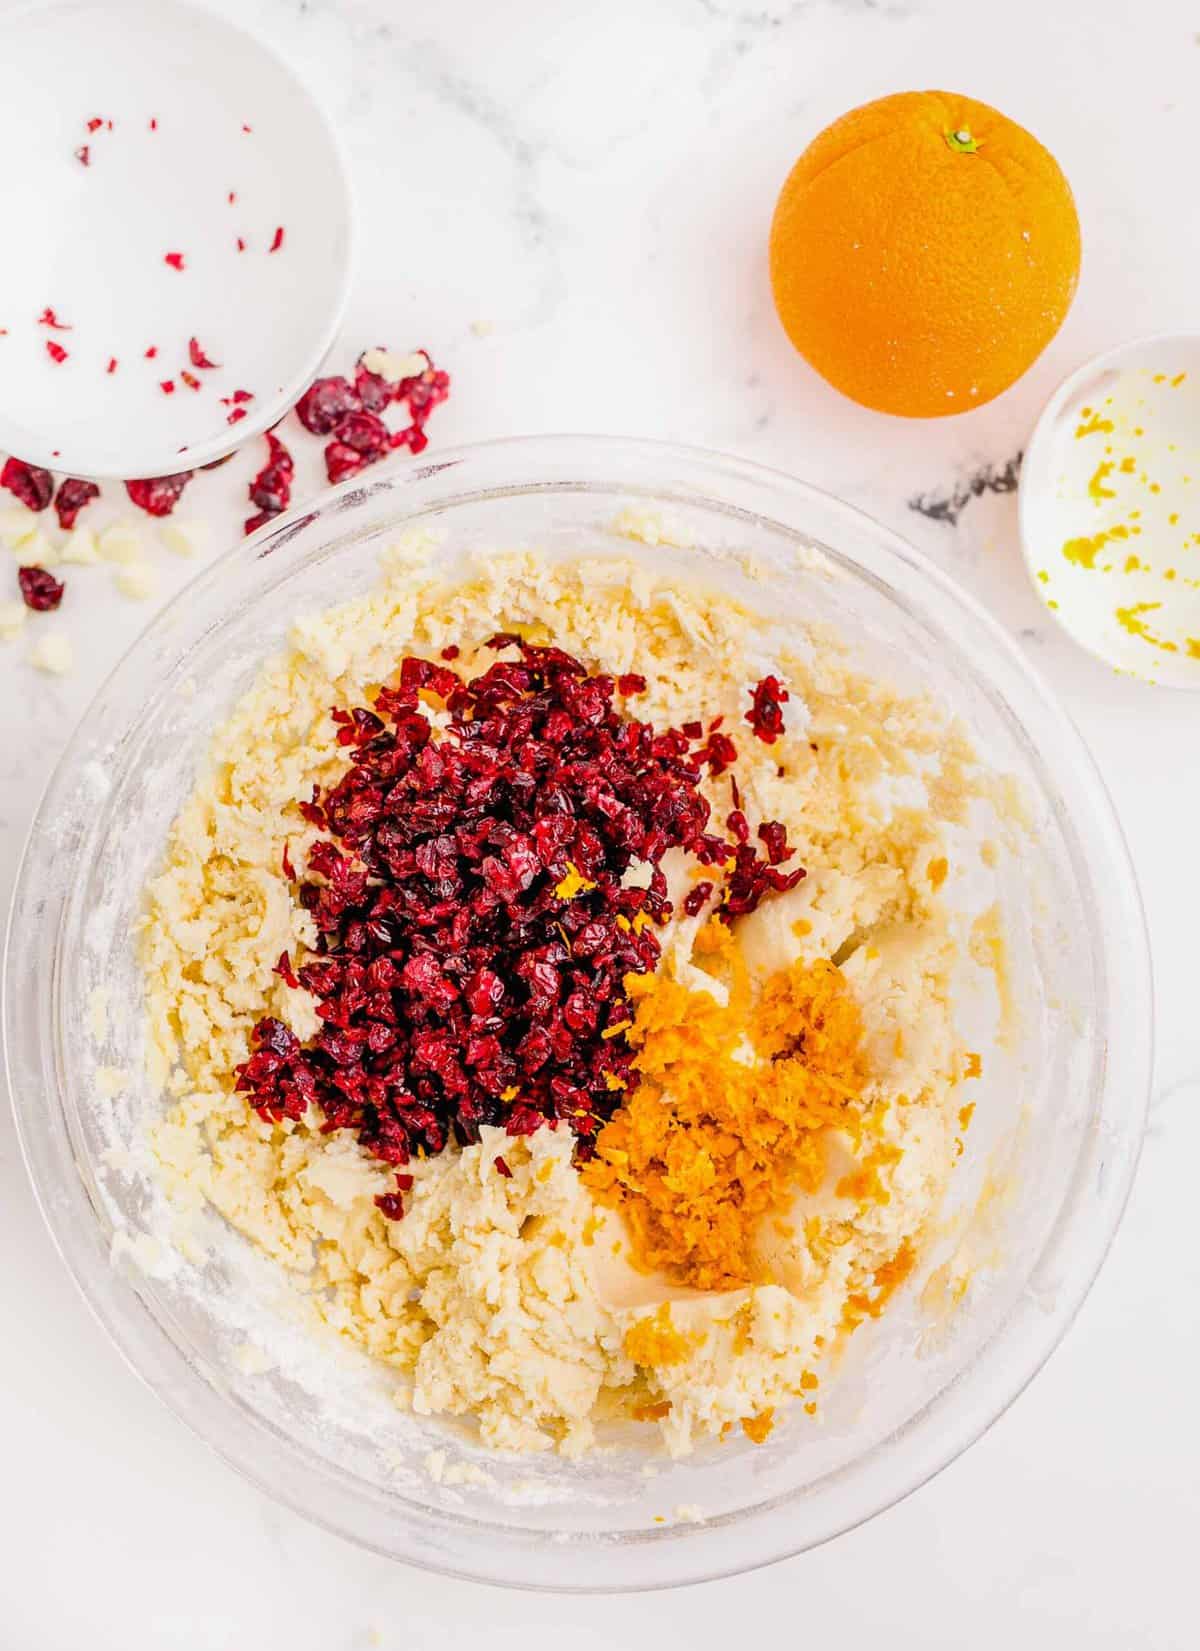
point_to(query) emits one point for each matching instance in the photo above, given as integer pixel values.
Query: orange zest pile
(707, 1146)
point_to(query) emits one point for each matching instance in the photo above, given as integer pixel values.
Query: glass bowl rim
(1016, 1348)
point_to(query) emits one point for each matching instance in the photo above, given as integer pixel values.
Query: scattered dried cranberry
(160, 494)
(95, 123)
(235, 416)
(175, 259)
(366, 433)
(71, 497)
(765, 715)
(199, 357)
(271, 489)
(152, 352)
(84, 154)
(49, 319)
(189, 378)
(289, 870)
(325, 403)
(55, 351)
(342, 461)
(276, 240)
(112, 364)
(31, 484)
(285, 971)
(41, 590)
(502, 1167)
(167, 386)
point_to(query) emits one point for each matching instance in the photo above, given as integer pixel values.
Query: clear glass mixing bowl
(1037, 1195)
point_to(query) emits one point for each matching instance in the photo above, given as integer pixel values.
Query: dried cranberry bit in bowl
(765, 715)
(198, 356)
(31, 484)
(40, 590)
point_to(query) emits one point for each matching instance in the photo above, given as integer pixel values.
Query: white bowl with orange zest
(846, 1148)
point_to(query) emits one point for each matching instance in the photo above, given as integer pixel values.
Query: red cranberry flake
(276, 240)
(71, 497)
(175, 259)
(84, 154)
(198, 356)
(271, 489)
(55, 351)
(41, 590)
(159, 495)
(112, 365)
(31, 484)
(49, 319)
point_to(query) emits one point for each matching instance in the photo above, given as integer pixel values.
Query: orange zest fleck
(758, 1428)
(885, 1281)
(654, 1341)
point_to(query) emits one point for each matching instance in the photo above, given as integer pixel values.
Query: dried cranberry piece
(31, 484)
(71, 497)
(41, 590)
(342, 461)
(271, 489)
(198, 356)
(365, 433)
(765, 715)
(694, 901)
(325, 403)
(160, 494)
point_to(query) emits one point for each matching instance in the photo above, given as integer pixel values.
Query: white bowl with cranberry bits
(185, 245)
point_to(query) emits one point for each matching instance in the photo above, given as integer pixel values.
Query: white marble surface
(595, 181)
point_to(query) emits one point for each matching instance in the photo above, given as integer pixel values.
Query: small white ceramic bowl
(212, 140)
(1110, 508)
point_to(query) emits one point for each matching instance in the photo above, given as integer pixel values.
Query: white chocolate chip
(53, 654)
(185, 538)
(137, 580)
(12, 619)
(121, 542)
(395, 367)
(79, 546)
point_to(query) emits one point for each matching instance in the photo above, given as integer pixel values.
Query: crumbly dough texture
(511, 1301)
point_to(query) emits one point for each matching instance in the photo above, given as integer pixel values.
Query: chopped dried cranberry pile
(350, 414)
(473, 919)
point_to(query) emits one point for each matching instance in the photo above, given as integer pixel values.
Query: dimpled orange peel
(924, 251)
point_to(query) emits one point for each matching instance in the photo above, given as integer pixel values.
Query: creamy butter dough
(512, 1301)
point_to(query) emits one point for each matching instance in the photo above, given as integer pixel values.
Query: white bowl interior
(1036, 1195)
(90, 241)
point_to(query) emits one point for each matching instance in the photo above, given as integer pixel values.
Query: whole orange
(924, 252)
